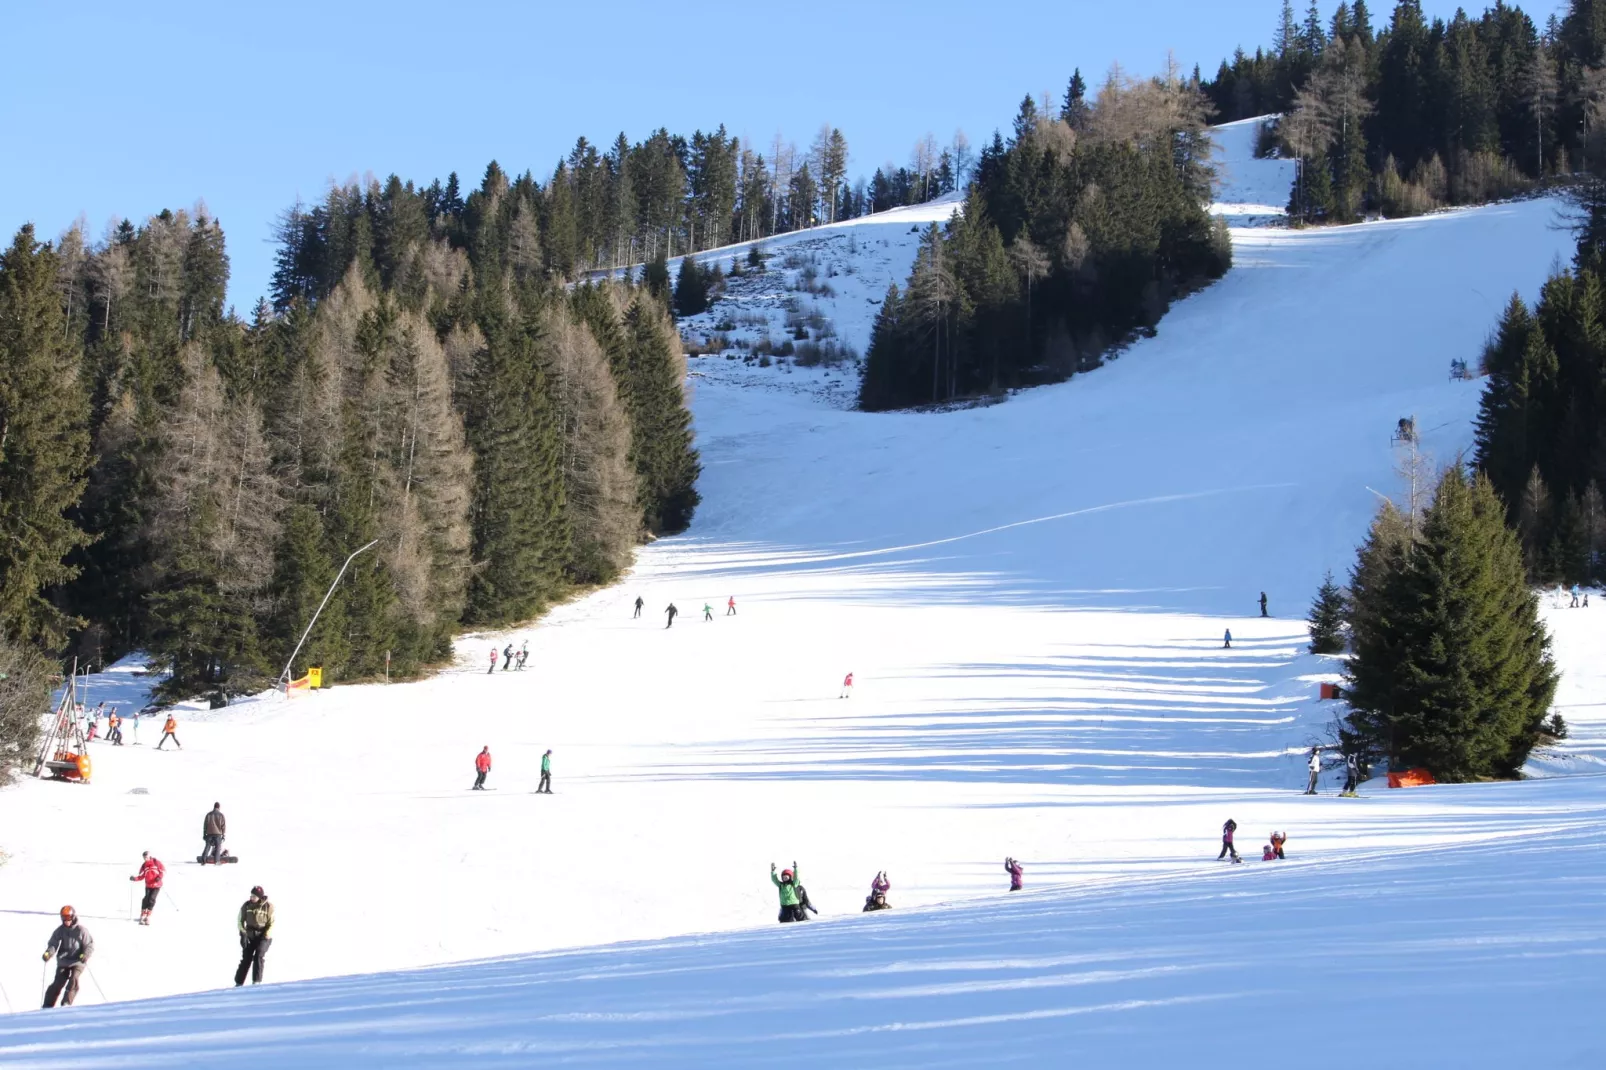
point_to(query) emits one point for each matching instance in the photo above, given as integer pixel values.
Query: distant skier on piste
(255, 923)
(170, 731)
(493, 662)
(1314, 764)
(524, 654)
(877, 899)
(213, 828)
(670, 613)
(847, 686)
(708, 611)
(1017, 873)
(1352, 775)
(1226, 641)
(545, 786)
(507, 658)
(482, 766)
(1227, 847)
(786, 885)
(730, 607)
(151, 872)
(72, 945)
(1277, 841)
(639, 604)
(1263, 612)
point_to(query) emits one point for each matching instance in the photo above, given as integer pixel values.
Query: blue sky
(118, 109)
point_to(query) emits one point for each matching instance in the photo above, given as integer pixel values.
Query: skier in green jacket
(786, 883)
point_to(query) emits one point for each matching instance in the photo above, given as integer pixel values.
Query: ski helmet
(786, 873)
(68, 912)
(258, 892)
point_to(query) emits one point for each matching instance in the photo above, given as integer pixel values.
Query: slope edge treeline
(187, 482)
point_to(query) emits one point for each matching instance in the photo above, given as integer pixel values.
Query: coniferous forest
(1077, 231)
(1413, 114)
(181, 480)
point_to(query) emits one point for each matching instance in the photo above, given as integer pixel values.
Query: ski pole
(171, 901)
(44, 980)
(9, 1008)
(102, 991)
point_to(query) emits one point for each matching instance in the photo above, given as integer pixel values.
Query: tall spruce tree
(661, 442)
(1452, 668)
(1326, 618)
(44, 443)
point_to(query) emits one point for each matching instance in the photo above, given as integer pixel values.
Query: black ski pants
(148, 903)
(253, 951)
(65, 985)
(214, 848)
(638, 612)
(167, 736)
(546, 782)
(479, 781)
(793, 913)
(1226, 849)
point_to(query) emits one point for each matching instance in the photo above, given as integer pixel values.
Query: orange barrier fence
(1411, 778)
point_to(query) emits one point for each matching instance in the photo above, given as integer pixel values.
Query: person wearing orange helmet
(72, 945)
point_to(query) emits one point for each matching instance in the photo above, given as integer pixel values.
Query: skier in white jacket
(1315, 765)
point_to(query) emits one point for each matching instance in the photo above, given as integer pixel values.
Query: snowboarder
(1352, 775)
(1226, 642)
(670, 613)
(847, 686)
(639, 604)
(482, 766)
(730, 607)
(708, 611)
(213, 829)
(256, 936)
(1315, 767)
(877, 899)
(1263, 612)
(546, 774)
(1277, 841)
(1575, 597)
(1016, 872)
(150, 871)
(493, 662)
(72, 945)
(507, 658)
(170, 731)
(786, 884)
(1226, 841)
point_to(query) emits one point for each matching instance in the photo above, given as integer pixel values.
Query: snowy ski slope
(1032, 598)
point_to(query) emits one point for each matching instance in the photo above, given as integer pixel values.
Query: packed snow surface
(1032, 598)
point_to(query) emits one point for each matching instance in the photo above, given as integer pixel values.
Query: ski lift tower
(64, 753)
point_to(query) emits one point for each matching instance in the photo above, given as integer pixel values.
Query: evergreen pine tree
(44, 444)
(661, 443)
(1453, 671)
(1326, 618)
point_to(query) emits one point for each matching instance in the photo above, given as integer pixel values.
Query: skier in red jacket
(482, 765)
(847, 686)
(151, 872)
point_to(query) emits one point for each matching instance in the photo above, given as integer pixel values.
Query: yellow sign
(315, 677)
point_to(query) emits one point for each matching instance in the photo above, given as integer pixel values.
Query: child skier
(786, 885)
(1226, 841)
(1016, 873)
(545, 787)
(708, 611)
(847, 686)
(524, 654)
(150, 871)
(877, 899)
(482, 766)
(493, 662)
(1277, 841)
(730, 607)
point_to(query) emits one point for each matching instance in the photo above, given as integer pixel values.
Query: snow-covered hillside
(1032, 599)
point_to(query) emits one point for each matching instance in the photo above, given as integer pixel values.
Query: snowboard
(219, 862)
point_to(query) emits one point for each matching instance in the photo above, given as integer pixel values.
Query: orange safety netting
(1411, 778)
